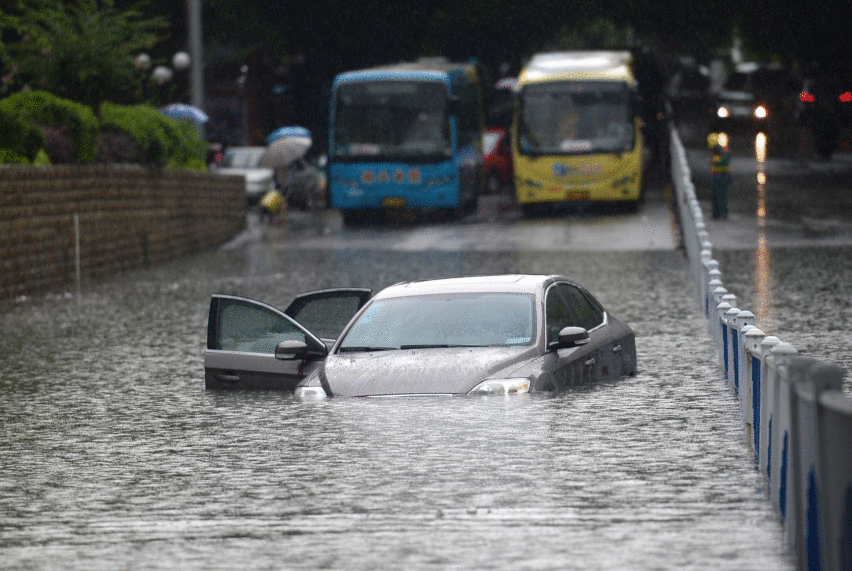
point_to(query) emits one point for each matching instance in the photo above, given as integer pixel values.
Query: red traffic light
(846, 97)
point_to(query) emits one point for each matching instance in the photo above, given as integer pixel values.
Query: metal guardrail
(798, 419)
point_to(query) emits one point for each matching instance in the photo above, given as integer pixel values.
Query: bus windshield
(392, 120)
(575, 117)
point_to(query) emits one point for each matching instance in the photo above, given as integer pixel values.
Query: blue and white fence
(798, 419)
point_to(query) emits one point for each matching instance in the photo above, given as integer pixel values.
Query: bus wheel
(358, 216)
(631, 206)
(533, 210)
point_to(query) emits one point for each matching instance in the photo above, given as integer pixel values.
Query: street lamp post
(162, 74)
(196, 51)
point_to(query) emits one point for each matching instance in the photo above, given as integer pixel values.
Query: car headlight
(310, 393)
(723, 112)
(498, 387)
(760, 112)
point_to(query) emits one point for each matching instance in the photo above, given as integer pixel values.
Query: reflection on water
(115, 457)
(762, 277)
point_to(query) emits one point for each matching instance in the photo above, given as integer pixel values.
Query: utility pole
(196, 51)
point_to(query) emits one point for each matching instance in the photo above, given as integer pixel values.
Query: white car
(243, 161)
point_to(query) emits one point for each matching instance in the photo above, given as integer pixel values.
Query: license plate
(393, 202)
(577, 195)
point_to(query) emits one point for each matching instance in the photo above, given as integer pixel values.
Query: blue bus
(405, 136)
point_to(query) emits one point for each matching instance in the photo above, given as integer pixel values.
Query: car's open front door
(242, 335)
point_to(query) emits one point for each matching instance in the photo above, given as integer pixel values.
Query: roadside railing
(798, 420)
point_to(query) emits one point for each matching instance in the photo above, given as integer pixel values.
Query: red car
(497, 148)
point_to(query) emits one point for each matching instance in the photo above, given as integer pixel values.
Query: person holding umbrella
(285, 146)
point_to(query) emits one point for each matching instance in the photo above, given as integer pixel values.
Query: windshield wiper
(436, 346)
(356, 348)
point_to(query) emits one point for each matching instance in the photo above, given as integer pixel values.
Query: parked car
(243, 161)
(487, 335)
(497, 151)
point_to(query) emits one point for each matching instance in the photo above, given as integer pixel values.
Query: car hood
(252, 175)
(417, 371)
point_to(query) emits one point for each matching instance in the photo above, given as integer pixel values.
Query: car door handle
(228, 379)
(590, 362)
(616, 349)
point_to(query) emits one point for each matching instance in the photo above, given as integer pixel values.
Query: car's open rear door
(326, 312)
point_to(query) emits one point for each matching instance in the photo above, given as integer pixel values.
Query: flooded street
(114, 455)
(783, 249)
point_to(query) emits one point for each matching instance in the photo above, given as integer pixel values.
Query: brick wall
(129, 216)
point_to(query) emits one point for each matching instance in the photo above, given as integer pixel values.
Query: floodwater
(115, 457)
(783, 249)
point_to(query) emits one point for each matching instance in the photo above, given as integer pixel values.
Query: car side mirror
(570, 337)
(292, 350)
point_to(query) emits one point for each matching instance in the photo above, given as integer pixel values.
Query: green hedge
(45, 109)
(20, 140)
(159, 140)
(162, 140)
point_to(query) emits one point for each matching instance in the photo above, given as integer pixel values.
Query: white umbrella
(289, 131)
(284, 151)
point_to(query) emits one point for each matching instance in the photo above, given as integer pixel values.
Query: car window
(246, 157)
(586, 315)
(557, 314)
(483, 319)
(249, 327)
(326, 316)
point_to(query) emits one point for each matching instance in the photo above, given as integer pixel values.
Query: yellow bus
(576, 131)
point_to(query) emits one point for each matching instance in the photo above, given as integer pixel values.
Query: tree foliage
(81, 50)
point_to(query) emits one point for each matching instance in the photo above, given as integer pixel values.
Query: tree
(81, 50)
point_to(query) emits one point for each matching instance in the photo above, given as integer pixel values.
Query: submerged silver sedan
(482, 335)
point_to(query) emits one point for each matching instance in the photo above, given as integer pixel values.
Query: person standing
(720, 177)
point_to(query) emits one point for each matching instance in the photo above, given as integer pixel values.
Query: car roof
(504, 283)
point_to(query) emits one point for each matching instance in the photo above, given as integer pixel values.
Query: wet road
(784, 248)
(114, 455)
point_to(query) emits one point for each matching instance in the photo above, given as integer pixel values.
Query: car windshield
(244, 158)
(392, 120)
(574, 117)
(489, 142)
(457, 320)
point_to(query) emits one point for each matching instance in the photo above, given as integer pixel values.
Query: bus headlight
(501, 387)
(760, 112)
(723, 112)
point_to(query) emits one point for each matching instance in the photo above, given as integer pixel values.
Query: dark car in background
(824, 107)
(497, 158)
(755, 97)
(482, 335)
